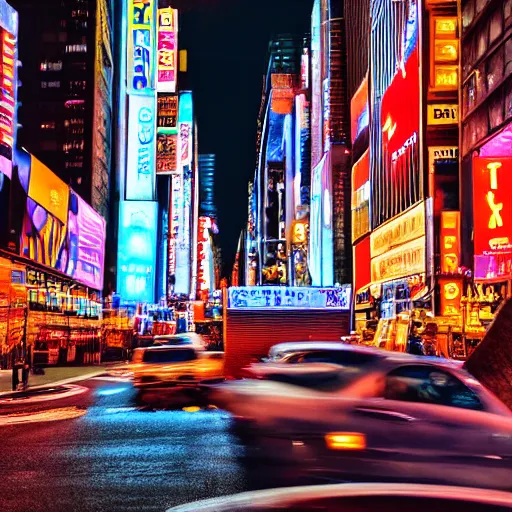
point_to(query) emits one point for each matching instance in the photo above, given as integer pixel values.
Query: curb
(62, 382)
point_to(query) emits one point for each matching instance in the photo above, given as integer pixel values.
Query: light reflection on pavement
(117, 455)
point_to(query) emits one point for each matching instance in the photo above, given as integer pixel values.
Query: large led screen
(140, 173)
(316, 86)
(137, 251)
(185, 119)
(86, 233)
(398, 184)
(43, 237)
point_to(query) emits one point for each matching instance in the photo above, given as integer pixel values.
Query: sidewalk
(52, 376)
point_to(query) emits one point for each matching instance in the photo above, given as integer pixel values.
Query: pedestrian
(25, 371)
(15, 376)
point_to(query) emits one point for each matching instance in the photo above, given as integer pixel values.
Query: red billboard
(362, 264)
(492, 207)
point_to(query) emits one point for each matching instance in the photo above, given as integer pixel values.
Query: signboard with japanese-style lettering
(280, 297)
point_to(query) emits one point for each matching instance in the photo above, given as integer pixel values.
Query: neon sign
(492, 205)
(141, 35)
(167, 49)
(289, 297)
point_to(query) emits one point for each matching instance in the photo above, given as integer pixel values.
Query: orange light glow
(446, 77)
(446, 50)
(345, 441)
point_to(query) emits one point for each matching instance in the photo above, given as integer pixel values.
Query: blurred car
(360, 498)
(176, 366)
(316, 352)
(402, 416)
(322, 352)
(187, 338)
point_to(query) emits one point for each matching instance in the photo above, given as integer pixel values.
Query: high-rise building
(66, 112)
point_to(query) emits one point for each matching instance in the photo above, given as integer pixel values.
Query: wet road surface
(114, 454)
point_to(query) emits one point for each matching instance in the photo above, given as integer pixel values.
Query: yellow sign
(403, 261)
(443, 114)
(409, 226)
(49, 191)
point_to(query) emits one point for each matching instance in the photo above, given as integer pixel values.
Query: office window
(51, 65)
(54, 85)
(76, 48)
(48, 126)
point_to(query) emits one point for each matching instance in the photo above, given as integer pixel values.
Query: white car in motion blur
(359, 498)
(404, 418)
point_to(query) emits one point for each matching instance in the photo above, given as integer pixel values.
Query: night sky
(227, 42)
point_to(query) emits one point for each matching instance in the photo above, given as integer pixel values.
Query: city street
(113, 454)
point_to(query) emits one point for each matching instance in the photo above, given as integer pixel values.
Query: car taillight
(345, 441)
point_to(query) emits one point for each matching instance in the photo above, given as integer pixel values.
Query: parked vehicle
(398, 416)
(359, 498)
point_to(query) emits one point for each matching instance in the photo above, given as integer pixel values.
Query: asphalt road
(113, 454)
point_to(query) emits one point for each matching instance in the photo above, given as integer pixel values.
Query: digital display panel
(316, 86)
(166, 153)
(289, 297)
(8, 101)
(140, 173)
(141, 44)
(48, 190)
(185, 120)
(183, 247)
(167, 50)
(86, 233)
(492, 216)
(359, 113)
(167, 113)
(43, 237)
(137, 251)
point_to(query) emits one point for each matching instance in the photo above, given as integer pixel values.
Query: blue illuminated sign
(140, 174)
(289, 297)
(137, 251)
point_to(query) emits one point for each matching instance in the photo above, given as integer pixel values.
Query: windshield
(169, 356)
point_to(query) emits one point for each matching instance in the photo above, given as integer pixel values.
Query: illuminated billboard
(289, 297)
(183, 241)
(398, 184)
(48, 190)
(315, 233)
(141, 46)
(140, 171)
(316, 86)
(174, 220)
(167, 50)
(166, 153)
(167, 113)
(137, 251)
(359, 110)
(185, 120)
(204, 251)
(8, 101)
(86, 234)
(43, 237)
(492, 217)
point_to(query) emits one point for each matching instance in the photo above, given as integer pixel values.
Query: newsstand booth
(258, 317)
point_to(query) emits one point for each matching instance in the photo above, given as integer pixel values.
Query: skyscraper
(66, 112)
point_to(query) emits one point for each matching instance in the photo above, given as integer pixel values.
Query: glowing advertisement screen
(359, 110)
(8, 102)
(141, 43)
(327, 227)
(137, 251)
(43, 237)
(398, 184)
(492, 217)
(167, 50)
(316, 86)
(167, 113)
(289, 297)
(174, 220)
(86, 234)
(183, 242)
(140, 173)
(315, 233)
(185, 120)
